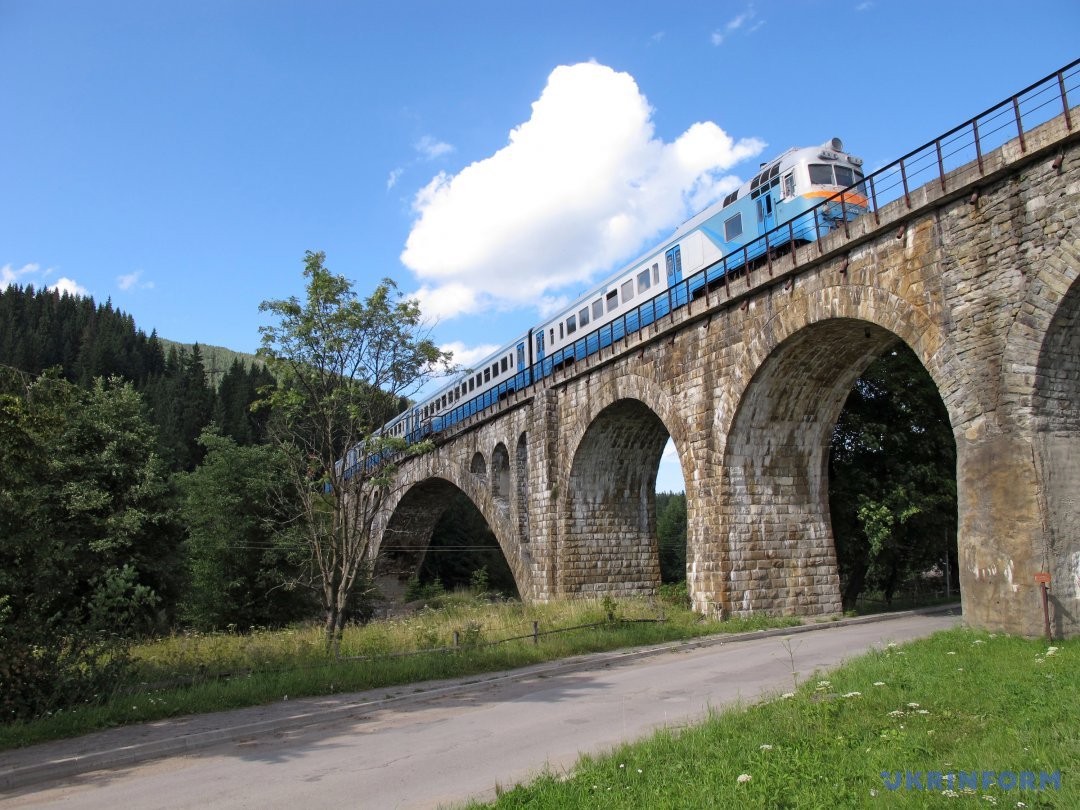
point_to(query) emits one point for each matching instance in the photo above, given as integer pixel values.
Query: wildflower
(639, 770)
(622, 765)
(879, 683)
(923, 711)
(913, 705)
(787, 696)
(952, 794)
(990, 799)
(951, 652)
(853, 694)
(891, 644)
(744, 778)
(1051, 650)
(873, 792)
(896, 713)
(977, 641)
(765, 747)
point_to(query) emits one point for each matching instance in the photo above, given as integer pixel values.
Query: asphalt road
(442, 749)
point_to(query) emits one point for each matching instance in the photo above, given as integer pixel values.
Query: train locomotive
(720, 241)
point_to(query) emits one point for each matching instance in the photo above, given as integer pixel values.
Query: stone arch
(500, 476)
(521, 465)
(478, 466)
(608, 512)
(777, 553)
(1056, 406)
(408, 517)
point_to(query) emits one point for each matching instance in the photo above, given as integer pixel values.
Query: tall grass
(189, 673)
(959, 701)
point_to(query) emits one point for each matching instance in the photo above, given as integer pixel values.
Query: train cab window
(844, 176)
(643, 280)
(730, 198)
(628, 290)
(656, 273)
(789, 185)
(571, 324)
(504, 364)
(821, 174)
(733, 227)
(612, 300)
(598, 308)
(583, 317)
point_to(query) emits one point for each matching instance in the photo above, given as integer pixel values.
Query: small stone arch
(500, 476)
(478, 467)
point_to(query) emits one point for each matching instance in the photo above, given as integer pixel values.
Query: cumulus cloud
(131, 282)
(32, 273)
(468, 356)
(578, 187)
(395, 175)
(69, 286)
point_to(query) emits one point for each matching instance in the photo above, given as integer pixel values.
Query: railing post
(1064, 101)
(873, 199)
(903, 177)
(978, 146)
(536, 632)
(1019, 124)
(940, 165)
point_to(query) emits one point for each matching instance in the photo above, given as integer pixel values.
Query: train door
(674, 266)
(521, 356)
(766, 213)
(539, 345)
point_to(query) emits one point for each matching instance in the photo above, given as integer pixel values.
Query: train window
(789, 184)
(628, 290)
(487, 375)
(494, 370)
(643, 280)
(733, 227)
(844, 176)
(656, 274)
(561, 336)
(598, 308)
(821, 174)
(479, 379)
(730, 198)
(612, 300)
(775, 171)
(583, 316)
(571, 324)
(504, 364)
(551, 335)
(472, 384)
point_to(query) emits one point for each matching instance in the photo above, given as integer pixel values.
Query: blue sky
(493, 157)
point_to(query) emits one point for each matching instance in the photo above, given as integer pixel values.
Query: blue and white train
(720, 241)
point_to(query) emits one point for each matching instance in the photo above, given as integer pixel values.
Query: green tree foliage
(343, 365)
(671, 535)
(243, 562)
(90, 548)
(892, 478)
(463, 544)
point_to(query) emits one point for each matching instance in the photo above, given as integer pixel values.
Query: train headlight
(836, 144)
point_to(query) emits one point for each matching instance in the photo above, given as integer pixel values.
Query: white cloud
(864, 6)
(69, 286)
(466, 356)
(131, 281)
(431, 148)
(578, 187)
(31, 273)
(734, 24)
(395, 175)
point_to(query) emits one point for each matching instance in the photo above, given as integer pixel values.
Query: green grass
(957, 701)
(195, 673)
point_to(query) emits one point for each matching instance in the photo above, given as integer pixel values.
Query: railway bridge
(976, 270)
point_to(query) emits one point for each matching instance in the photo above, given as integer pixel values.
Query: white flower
(1051, 650)
(765, 747)
(923, 711)
(853, 694)
(896, 713)
(913, 705)
(990, 799)
(952, 794)
(744, 778)
(950, 652)
(978, 641)
(879, 683)
(787, 696)
(824, 683)
(891, 644)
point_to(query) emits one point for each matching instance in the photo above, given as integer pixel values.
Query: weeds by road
(196, 673)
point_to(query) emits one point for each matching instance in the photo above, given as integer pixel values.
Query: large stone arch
(777, 553)
(409, 516)
(607, 513)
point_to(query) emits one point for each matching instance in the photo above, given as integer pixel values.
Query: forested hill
(42, 329)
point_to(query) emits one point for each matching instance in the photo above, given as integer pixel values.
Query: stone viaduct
(980, 281)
